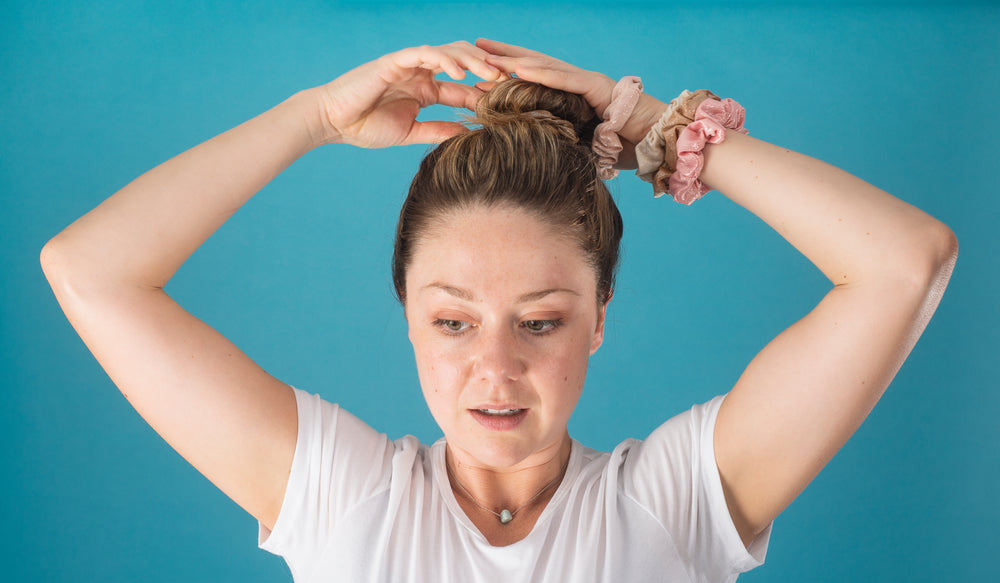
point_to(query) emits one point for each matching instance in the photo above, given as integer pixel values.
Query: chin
(503, 452)
(501, 457)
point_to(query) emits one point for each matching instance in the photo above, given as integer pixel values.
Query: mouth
(499, 419)
(500, 412)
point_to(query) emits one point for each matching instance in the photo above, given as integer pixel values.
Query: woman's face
(503, 317)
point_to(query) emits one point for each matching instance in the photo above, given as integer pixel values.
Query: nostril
(498, 365)
(498, 358)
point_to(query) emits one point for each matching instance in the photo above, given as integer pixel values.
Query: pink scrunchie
(711, 120)
(607, 145)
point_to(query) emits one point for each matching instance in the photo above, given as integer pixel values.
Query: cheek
(566, 368)
(439, 370)
(435, 380)
(574, 373)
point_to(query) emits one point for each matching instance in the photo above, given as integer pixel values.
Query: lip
(496, 422)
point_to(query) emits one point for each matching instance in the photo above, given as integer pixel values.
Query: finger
(458, 95)
(485, 86)
(472, 59)
(459, 55)
(514, 65)
(533, 69)
(453, 59)
(505, 50)
(451, 67)
(433, 132)
(594, 87)
(506, 65)
(433, 59)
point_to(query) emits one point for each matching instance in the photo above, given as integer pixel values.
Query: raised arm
(810, 388)
(232, 420)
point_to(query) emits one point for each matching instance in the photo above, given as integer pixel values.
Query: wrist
(670, 156)
(311, 106)
(647, 112)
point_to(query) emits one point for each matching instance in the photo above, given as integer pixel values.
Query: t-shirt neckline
(440, 472)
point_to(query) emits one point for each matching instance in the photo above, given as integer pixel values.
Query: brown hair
(531, 152)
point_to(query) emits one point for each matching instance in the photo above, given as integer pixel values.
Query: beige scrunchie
(656, 154)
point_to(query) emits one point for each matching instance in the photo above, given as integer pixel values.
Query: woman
(504, 263)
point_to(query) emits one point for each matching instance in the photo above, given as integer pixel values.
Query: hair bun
(564, 127)
(519, 101)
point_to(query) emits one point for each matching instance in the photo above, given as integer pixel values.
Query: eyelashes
(534, 327)
(541, 327)
(452, 327)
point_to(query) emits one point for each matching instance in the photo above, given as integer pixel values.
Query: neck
(509, 488)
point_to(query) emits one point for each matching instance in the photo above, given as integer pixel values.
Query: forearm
(142, 234)
(848, 228)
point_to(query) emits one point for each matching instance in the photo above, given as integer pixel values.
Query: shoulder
(340, 462)
(679, 442)
(326, 421)
(674, 476)
(678, 445)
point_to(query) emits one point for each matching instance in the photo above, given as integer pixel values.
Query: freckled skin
(496, 257)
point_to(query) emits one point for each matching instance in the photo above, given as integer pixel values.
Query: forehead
(498, 253)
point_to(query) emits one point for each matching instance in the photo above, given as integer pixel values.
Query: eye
(541, 327)
(451, 326)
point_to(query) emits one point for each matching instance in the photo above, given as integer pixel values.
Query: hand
(376, 104)
(595, 87)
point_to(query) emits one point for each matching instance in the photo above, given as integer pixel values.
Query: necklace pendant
(505, 516)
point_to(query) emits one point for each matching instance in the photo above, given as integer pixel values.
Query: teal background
(95, 93)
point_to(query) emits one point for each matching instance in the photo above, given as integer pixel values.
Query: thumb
(433, 132)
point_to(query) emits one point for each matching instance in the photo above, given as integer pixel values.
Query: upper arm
(810, 388)
(228, 417)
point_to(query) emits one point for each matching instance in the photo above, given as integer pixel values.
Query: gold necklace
(504, 515)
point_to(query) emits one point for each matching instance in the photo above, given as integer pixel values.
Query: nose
(498, 360)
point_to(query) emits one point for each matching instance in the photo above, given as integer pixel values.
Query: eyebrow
(464, 294)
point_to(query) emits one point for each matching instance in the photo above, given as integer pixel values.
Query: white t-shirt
(360, 507)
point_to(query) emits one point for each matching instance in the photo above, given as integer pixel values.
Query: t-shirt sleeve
(673, 474)
(339, 461)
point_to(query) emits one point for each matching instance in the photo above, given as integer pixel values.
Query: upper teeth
(500, 411)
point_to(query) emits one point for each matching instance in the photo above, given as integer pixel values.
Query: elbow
(61, 271)
(928, 264)
(930, 282)
(57, 266)
(941, 255)
(52, 261)
(60, 268)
